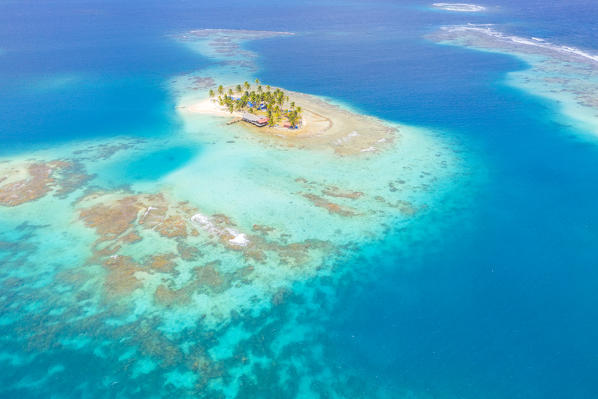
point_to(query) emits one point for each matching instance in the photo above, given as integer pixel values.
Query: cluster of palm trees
(262, 100)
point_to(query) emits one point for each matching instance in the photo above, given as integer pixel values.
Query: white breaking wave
(204, 222)
(532, 42)
(461, 7)
(239, 239)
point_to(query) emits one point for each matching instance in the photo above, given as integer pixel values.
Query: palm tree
(230, 92)
(239, 89)
(270, 118)
(211, 93)
(292, 104)
(259, 88)
(257, 81)
(293, 118)
(268, 87)
(220, 89)
(246, 85)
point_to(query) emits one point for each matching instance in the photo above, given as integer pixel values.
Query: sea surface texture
(148, 251)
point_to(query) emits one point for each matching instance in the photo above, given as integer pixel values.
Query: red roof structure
(256, 120)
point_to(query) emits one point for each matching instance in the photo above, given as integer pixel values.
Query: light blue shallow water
(500, 304)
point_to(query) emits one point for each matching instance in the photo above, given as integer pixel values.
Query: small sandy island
(308, 122)
(459, 7)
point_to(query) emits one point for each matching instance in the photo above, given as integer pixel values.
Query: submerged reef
(204, 301)
(225, 44)
(211, 279)
(131, 228)
(23, 182)
(565, 74)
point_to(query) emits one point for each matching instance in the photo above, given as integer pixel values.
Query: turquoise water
(488, 290)
(143, 168)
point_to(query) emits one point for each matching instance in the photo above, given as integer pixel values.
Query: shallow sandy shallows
(324, 125)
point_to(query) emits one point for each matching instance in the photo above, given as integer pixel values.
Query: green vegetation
(269, 103)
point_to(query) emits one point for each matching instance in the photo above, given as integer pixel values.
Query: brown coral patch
(262, 229)
(257, 247)
(331, 207)
(187, 252)
(121, 275)
(328, 190)
(71, 176)
(75, 277)
(405, 207)
(209, 276)
(117, 222)
(254, 252)
(243, 273)
(100, 253)
(163, 262)
(131, 237)
(334, 191)
(111, 221)
(168, 297)
(153, 216)
(38, 183)
(151, 212)
(296, 252)
(154, 344)
(222, 220)
(173, 226)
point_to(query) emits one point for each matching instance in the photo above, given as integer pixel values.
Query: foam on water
(488, 30)
(459, 7)
(567, 75)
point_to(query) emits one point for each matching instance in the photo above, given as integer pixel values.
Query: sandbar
(324, 125)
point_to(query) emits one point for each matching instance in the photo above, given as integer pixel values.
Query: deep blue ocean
(506, 305)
